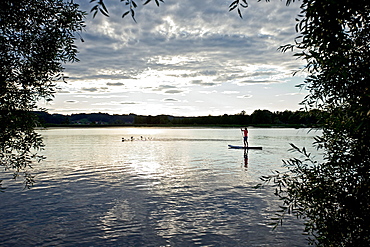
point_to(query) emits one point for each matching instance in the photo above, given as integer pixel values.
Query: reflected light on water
(184, 187)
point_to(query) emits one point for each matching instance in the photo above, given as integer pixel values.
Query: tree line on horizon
(311, 118)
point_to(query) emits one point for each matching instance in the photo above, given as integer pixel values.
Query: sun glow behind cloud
(184, 58)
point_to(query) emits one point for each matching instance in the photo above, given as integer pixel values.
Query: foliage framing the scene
(332, 196)
(36, 38)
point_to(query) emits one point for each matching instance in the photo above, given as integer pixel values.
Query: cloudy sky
(184, 58)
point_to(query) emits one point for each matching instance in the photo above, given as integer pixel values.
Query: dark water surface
(169, 187)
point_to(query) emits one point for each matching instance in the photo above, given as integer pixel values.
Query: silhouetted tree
(36, 38)
(333, 196)
(262, 117)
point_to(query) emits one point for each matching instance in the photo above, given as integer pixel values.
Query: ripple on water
(162, 193)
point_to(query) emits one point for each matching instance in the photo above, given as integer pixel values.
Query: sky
(184, 58)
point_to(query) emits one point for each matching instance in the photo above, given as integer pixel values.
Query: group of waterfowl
(137, 139)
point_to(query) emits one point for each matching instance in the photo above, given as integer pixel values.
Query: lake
(167, 187)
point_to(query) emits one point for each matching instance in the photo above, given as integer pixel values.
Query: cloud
(163, 87)
(99, 96)
(91, 89)
(183, 34)
(63, 91)
(174, 91)
(94, 89)
(115, 84)
(71, 101)
(291, 94)
(247, 96)
(183, 48)
(115, 103)
(202, 83)
(129, 103)
(230, 92)
(170, 100)
(258, 81)
(208, 92)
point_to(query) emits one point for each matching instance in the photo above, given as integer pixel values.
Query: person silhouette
(245, 136)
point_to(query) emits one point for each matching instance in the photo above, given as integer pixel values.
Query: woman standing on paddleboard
(245, 136)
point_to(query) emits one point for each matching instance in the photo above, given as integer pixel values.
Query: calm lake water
(168, 187)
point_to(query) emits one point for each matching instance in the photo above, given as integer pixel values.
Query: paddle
(242, 135)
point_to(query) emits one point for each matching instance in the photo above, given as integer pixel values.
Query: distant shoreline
(259, 118)
(295, 126)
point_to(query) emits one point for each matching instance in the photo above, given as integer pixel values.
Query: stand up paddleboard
(242, 147)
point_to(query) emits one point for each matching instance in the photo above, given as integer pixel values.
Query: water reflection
(246, 158)
(182, 188)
